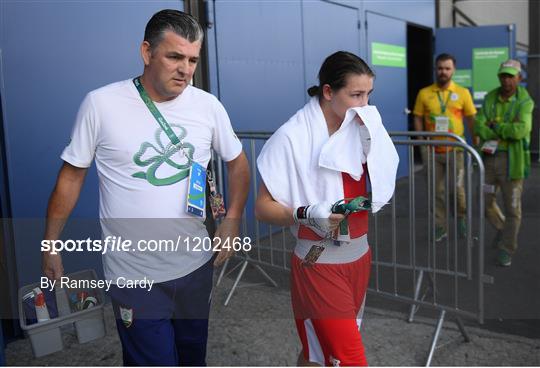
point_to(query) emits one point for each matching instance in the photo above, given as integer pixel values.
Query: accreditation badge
(217, 204)
(490, 147)
(313, 255)
(442, 124)
(196, 198)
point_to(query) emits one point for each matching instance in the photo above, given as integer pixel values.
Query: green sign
(463, 77)
(486, 62)
(388, 55)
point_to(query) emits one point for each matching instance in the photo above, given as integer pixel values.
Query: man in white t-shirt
(146, 169)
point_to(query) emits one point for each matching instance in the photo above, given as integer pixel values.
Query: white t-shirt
(143, 179)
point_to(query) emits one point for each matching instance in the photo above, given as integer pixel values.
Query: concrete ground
(256, 329)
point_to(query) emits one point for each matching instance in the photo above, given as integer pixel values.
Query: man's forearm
(238, 183)
(63, 199)
(58, 212)
(418, 123)
(481, 128)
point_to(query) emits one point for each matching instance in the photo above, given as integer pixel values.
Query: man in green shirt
(504, 126)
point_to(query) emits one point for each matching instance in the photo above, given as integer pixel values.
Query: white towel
(340, 151)
(300, 164)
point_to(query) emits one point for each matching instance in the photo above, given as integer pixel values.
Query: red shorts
(327, 302)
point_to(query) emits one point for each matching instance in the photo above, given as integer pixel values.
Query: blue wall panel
(473, 37)
(390, 88)
(53, 53)
(421, 12)
(267, 53)
(446, 40)
(260, 62)
(340, 33)
(460, 41)
(260, 66)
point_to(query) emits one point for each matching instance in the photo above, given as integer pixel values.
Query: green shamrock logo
(162, 155)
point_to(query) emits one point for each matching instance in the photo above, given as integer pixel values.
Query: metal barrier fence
(408, 263)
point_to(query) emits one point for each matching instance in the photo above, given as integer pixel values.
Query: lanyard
(159, 118)
(443, 106)
(218, 208)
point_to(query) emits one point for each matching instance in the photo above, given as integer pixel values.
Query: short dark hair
(444, 57)
(176, 21)
(335, 69)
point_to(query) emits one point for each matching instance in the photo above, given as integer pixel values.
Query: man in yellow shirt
(442, 107)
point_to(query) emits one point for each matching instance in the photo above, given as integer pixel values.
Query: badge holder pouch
(442, 124)
(217, 204)
(490, 147)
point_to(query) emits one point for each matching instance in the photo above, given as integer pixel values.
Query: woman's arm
(268, 210)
